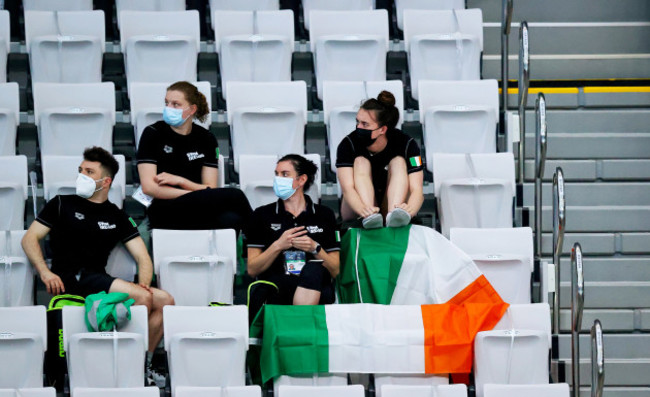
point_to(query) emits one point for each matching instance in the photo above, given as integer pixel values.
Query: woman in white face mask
(293, 244)
(177, 163)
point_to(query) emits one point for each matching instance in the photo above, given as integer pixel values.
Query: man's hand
(168, 179)
(286, 240)
(148, 288)
(52, 282)
(304, 243)
(407, 208)
(367, 211)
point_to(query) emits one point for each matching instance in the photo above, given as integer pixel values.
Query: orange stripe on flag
(450, 328)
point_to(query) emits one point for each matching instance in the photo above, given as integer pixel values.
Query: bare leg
(397, 184)
(304, 296)
(363, 181)
(154, 301)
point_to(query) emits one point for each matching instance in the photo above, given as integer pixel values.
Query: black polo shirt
(268, 222)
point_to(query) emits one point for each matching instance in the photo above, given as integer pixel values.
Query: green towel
(106, 312)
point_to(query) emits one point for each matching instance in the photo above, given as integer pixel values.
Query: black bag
(56, 366)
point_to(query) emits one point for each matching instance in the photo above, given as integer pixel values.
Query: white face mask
(86, 186)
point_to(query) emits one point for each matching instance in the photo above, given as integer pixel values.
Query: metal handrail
(559, 222)
(540, 153)
(506, 18)
(524, 83)
(577, 307)
(597, 360)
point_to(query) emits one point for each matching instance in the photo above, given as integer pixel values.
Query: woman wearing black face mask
(380, 168)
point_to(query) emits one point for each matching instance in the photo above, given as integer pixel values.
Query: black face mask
(364, 136)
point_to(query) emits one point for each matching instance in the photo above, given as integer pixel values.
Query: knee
(397, 164)
(144, 298)
(361, 164)
(167, 299)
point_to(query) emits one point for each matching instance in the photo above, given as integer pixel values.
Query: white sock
(148, 358)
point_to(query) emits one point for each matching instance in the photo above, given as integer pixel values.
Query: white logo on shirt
(79, 216)
(194, 155)
(276, 226)
(105, 225)
(314, 229)
(168, 149)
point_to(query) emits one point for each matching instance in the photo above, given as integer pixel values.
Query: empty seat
(29, 392)
(59, 5)
(233, 391)
(401, 5)
(313, 380)
(267, 118)
(196, 266)
(22, 346)
(341, 102)
(533, 316)
(253, 45)
(551, 390)
(504, 256)
(16, 272)
(459, 116)
(443, 45)
(206, 346)
(65, 46)
(348, 45)
(148, 100)
(244, 5)
(334, 5)
(321, 391)
(9, 113)
(256, 178)
(121, 264)
(474, 190)
(60, 175)
(105, 359)
(5, 41)
(72, 117)
(151, 391)
(458, 390)
(147, 5)
(13, 192)
(160, 46)
(420, 380)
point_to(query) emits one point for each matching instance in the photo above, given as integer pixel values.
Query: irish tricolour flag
(439, 301)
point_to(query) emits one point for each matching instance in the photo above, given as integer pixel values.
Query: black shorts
(314, 276)
(88, 283)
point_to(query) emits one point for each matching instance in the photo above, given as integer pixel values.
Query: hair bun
(386, 98)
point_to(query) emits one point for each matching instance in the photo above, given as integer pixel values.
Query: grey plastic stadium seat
(13, 192)
(16, 272)
(22, 346)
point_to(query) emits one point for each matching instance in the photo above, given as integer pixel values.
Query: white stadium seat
(254, 45)
(65, 46)
(105, 359)
(150, 391)
(72, 117)
(334, 5)
(29, 392)
(267, 118)
(22, 346)
(206, 346)
(196, 266)
(426, 380)
(504, 256)
(321, 391)
(9, 115)
(401, 5)
(458, 390)
(147, 5)
(348, 45)
(443, 45)
(59, 5)
(5, 41)
(308, 381)
(550, 390)
(233, 391)
(16, 272)
(60, 175)
(13, 192)
(459, 116)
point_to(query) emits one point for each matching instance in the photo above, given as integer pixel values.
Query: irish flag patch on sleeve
(415, 161)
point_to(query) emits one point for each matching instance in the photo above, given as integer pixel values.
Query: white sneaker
(154, 378)
(398, 218)
(374, 221)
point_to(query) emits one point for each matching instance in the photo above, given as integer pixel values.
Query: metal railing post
(577, 306)
(506, 18)
(540, 155)
(559, 221)
(524, 82)
(597, 360)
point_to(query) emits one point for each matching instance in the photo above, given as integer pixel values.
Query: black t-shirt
(399, 144)
(268, 222)
(182, 155)
(83, 233)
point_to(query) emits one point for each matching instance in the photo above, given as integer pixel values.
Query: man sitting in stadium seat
(83, 230)
(293, 244)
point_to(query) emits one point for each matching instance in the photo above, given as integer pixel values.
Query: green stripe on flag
(302, 333)
(381, 253)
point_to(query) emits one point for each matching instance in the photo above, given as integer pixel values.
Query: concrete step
(592, 170)
(612, 320)
(609, 269)
(591, 120)
(593, 193)
(617, 346)
(606, 218)
(600, 243)
(610, 294)
(618, 372)
(593, 145)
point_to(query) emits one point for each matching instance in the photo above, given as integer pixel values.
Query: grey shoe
(398, 218)
(154, 378)
(374, 221)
